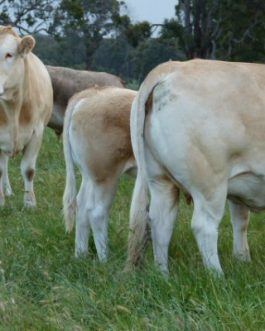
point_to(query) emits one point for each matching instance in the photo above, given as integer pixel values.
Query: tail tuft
(69, 210)
(139, 234)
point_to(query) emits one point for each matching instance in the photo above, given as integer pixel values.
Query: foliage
(134, 33)
(153, 52)
(120, 57)
(44, 288)
(28, 16)
(93, 34)
(89, 20)
(223, 29)
(242, 26)
(114, 56)
(196, 27)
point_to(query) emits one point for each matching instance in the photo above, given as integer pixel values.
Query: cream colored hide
(96, 138)
(25, 108)
(200, 126)
(66, 82)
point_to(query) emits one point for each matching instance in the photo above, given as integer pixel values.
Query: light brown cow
(25, 108)
(66, 82)
(200, 126)
(96, 138)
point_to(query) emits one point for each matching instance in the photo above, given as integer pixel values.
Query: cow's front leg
(28, 166)
(2, 170)
(6, 187)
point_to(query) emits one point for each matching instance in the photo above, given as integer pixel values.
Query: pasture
(43, 287)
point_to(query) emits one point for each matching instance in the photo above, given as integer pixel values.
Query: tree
(31, 16)
(152, 52)
(114, 55)
(223, 29)
(242, 30)
(134, 33)
(195, 26)
(89, 20)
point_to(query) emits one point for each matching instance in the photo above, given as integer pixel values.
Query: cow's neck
(22, 95)
(12, 107)
(10, 111)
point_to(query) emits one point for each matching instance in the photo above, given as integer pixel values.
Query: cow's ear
(26, 44)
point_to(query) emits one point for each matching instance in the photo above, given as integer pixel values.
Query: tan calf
(96, 138)
(25, 107)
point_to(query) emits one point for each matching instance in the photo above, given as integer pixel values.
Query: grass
(43, 287)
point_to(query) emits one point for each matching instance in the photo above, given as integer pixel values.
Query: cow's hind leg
(240, 221)
(28, 165)
(93, 204)
(207, 215)
(101, 198)
(163, 212)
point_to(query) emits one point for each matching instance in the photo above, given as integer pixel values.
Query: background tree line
(96, 35)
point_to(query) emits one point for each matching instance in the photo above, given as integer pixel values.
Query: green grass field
(43, 287)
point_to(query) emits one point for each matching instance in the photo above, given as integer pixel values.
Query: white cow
(96, 138)
(25, 107)
(199, 126)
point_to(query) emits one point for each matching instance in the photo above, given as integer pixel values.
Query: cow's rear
(203, 132)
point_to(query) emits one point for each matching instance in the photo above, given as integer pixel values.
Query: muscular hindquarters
(100, 131)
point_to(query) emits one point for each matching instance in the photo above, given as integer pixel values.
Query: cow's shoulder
(26, 112)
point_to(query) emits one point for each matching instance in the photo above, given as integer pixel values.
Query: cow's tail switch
(138, 233)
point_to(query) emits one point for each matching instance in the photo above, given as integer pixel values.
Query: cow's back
(101, 126)
(66, 82)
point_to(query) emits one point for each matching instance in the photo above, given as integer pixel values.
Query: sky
(154, 11)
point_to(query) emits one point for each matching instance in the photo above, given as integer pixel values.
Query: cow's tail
(69, 196)
(139, 219)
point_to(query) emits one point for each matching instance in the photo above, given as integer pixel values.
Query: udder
(248, 188)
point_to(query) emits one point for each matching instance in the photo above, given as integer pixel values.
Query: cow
(66, 82)
(199, 126)
(26, 100)
(96, 138)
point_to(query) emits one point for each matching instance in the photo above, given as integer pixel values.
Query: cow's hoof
(243, 256)
(8, 191)
(2, 200)
(29, 200)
